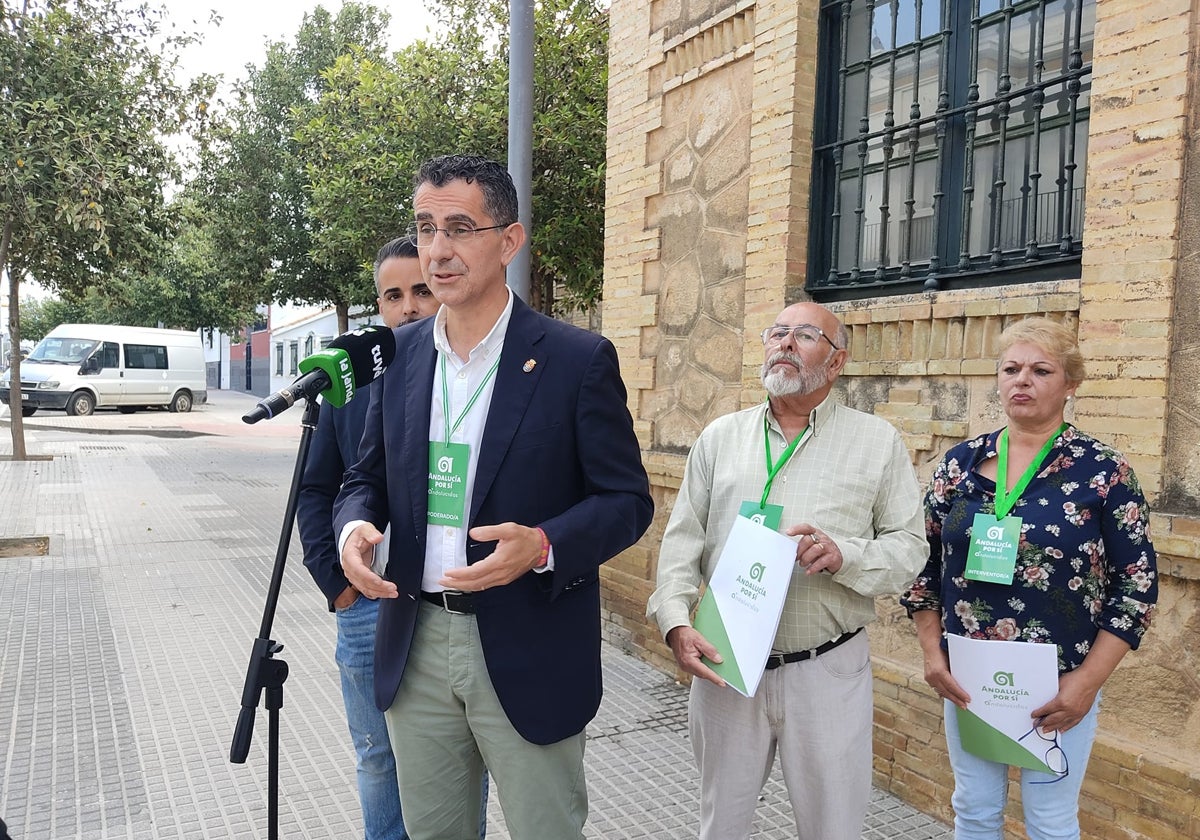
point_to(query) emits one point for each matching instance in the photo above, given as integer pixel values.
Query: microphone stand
(265, 671)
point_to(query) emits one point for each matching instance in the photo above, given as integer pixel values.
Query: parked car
(80, 367)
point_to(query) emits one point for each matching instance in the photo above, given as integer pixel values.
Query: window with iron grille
(950, 144)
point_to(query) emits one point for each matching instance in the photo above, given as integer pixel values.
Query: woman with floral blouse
(1083, 579)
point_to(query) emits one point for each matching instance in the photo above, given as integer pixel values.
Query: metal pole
(520, 131)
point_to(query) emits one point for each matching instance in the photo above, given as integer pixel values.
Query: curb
(163, 433)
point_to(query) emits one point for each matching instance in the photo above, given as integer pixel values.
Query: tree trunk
(16, 420)
(541, 293)
(548, 296)
(343, 317)
(535, 294)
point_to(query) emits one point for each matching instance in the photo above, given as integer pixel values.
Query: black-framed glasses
(1054, 757)
(422, 234)
(805, 335)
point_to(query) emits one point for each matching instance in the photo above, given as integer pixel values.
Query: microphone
(351, 361)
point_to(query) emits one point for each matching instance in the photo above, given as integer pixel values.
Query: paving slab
(123, 652)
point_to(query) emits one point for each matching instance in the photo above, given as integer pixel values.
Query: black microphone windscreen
(368, 351)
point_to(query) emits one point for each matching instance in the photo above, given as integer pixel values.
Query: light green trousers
(446, 723)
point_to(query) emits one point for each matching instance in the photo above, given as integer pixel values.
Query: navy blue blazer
(333, 446)
(558, 452)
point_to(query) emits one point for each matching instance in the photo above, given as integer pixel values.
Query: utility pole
(520, 132)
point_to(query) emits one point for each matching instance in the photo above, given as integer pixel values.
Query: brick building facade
(713, 111)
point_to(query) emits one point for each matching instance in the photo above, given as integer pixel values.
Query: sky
(246, 26)
(241, 38)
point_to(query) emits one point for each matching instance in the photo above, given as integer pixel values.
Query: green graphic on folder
(740, 610)
(1007, 681)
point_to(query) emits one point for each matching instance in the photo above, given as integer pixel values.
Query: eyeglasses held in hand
(422, 234)
(805, 335)
(1054, 756)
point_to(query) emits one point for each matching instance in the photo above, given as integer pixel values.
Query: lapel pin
(529, 365)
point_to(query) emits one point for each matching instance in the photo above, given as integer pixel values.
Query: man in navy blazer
(403, 297)
(499, 446)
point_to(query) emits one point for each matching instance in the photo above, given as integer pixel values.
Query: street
(123, 652)
(125, 648)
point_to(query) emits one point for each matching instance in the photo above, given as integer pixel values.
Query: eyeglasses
(805, 335)
(422, 234)
(1054, 757)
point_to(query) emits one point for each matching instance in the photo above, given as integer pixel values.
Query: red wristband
(545, 553)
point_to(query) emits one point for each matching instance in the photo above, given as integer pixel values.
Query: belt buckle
(447, 594)
(774, 660)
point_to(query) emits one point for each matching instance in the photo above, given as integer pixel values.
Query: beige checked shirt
(851, 478)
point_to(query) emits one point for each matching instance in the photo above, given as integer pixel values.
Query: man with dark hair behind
(500, 448)
(403, 298)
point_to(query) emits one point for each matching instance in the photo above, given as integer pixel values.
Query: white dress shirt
(446, 546)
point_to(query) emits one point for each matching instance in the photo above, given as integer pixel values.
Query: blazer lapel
(522, 362)
(418, 399)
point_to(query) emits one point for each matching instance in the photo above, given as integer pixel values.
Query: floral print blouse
(1084, 561)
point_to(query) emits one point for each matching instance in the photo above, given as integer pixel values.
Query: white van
(79, 367)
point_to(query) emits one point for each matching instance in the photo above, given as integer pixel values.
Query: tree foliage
(82, 131)
(361, 150)
(87, 97)
(39, 316)
(253, 184)
(312, 171)
(570, 91)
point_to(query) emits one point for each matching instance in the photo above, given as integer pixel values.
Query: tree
(181, 290)
(35, 321)
(570, 126)
(376, 122)
(187, 286)
(83, 114)
(38, 317)
(569, 131)
(313, 171)
(362, 144)
(255, 183)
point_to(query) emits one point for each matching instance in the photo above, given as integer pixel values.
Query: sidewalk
(123, 653)
(221, 415)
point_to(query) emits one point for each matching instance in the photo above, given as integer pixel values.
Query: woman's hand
(937, 661)
(1077, 689)
(937, 674)
(1074, 700)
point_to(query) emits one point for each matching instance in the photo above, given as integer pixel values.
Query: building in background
(931, 171)
(216, 358)
(299, 331)
(249, 362)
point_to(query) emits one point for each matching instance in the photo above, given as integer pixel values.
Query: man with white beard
(841, 482)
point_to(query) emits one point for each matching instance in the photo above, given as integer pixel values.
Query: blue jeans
(378, 792)
(377, 789)
(981, 787)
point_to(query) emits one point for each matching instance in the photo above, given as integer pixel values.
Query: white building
(216, 358)
(299, 331)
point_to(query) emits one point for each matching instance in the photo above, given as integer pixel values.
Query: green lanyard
(773, 469)
(470, 403)
(1005, 499)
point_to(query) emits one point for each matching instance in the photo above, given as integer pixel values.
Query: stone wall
(709, 156)
(927, 365)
